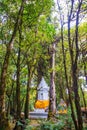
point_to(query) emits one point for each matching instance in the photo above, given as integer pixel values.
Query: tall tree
(52, 106)
(18, 104)
(74, 13)
(52, 93)
(64, 63)
(74, 66)
(5, 66)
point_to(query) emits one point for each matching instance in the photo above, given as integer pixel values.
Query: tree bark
(83, 96)
(64, 60)
(74, 74)
(18, 86)
(40, 69)
(52, 105)
(18, 102)
(74, 60)
(27, 94)
(66, 77)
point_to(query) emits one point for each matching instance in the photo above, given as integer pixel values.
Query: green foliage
(69, 121)
(47, 126)
(28, 127)
(59, 126)
(66, 120)
(19, 123)
(52, 126)
(85, 128)
(32, 99)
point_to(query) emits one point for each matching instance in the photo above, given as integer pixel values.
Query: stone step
(37, 115)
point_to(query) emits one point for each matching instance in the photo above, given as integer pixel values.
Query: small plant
(59, 126)
(27, 121)
(52, 126)
(46, 126)
(28, 127)
(85, 128)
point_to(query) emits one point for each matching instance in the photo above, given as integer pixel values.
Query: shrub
(46, 126)
(59, 126)
(52, 126)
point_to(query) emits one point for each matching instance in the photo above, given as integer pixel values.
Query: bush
(28, 127)
(46, 126)
(59, 126)
(85, 128)
(50, 126)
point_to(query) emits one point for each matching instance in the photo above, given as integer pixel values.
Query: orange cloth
(42, 104)
(62, 111)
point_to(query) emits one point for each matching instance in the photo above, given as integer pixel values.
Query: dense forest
(43, 38)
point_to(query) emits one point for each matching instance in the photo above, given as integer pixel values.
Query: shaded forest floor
(57, 122)
(42, 124)
(51, 125)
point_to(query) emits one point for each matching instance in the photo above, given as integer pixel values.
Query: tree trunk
(74, 73)
(61, 96)
(77, 99)
(85, 67)
(40, 69)
(64, 59)
(27, 95)
(9, 94)
(79, 123)
(18, 86)
(52, 105)
(66, 77)
(85, 73)
(40, 73)
(83, 96)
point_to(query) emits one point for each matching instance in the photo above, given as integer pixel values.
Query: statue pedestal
(38, 114)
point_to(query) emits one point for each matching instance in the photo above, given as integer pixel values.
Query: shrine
(62, 108)
(42, 102)
(42, 95)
